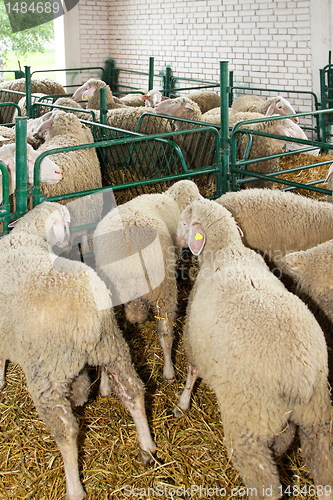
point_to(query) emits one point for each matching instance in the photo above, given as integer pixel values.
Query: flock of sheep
(255, 343)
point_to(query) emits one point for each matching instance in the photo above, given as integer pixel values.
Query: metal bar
(28, 91)
(5, 204)
(151, 74)
(21, 193)
(224, 138)
(103, 106)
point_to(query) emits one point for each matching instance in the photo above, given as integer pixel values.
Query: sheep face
(281, 106)
(153, 97)
(190, 233)
(177, 108)
(85, 92)
(57, 227)
(289, 128)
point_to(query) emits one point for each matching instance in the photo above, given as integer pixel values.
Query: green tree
(23, 42)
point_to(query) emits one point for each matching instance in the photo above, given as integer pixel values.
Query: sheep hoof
(146, 457)
(178, 412)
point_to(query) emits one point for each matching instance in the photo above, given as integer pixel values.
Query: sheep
(34, 98)
(198, 148)
(261, 351)
(81, 169)
(255, 104)
(143, 219)
(66, 323)
(89, 93)
(152, 98)
(276, 222)
(265, 146)
(45, 86)
(50, 173)
(311, 270)
(206, 100)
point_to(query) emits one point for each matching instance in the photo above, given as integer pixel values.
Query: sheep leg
(315, 429)
(253, 459)
(183, 404)
(165, 335)
(284, 439)
(2, 372)
(56, 413)
(104, 386)
(129, 389)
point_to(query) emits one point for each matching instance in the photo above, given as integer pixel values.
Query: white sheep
(50, 173)
(89, 93)
(148, 223)
(81, 169)
(152, 98)
(45, 86)
(205, 99)
(265, 146)
(312, 270)
(276, 222)
(198, 148)
(272, 106)
(65, 323)
(261, 351)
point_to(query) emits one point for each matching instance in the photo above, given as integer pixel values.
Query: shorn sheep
(126, 232)
(271, 106)
(65, 323)
(261, 351)
(276, 222)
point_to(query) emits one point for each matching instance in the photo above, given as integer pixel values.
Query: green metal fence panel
(199, 143)
(240, 175)
(315, 128)
(326, 91)
(119, 79)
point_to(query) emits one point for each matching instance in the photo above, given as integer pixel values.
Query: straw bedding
(190, 450)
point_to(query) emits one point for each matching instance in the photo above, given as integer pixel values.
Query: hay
(308, 175)
(190, 450)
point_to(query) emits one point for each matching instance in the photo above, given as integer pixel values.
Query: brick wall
(267, 43)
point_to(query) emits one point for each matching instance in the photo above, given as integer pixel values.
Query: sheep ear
(143, 97)
(87, 94)
(270, 110)
(189, 106)
(197, 238)
(164, 98)
(45, 123)
(59, 230)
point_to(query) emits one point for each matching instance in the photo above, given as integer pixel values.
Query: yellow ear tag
(86, 97)
(198, 236)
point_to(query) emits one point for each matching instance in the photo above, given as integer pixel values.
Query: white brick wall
(267, 43)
